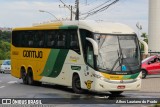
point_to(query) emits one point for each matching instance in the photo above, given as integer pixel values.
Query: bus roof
(93, 26)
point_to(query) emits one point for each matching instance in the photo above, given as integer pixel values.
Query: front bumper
(5, 71)
(103, 86)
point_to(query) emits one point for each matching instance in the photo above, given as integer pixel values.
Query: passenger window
(51, 39)
(24, 39)
(61, 40)
(40, 39)
(74, 43)
(16, 38)
(30, 39)
(90, 55)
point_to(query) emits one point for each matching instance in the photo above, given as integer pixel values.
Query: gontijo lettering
(32, 54)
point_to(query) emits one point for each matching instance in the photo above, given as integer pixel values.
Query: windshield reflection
(117, 52)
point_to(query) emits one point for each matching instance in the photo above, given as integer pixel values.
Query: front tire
(76, 84)
(144, 74)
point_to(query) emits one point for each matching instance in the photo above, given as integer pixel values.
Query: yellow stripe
(41, 27)
(112, 77)
(50, 24)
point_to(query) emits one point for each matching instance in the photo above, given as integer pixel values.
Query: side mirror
(94, 44)
(149, 62)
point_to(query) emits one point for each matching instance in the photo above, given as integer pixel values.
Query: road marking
(2, 86)
(12, 82)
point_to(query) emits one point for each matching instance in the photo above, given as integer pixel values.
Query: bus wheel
(144, 74)
(76, 84)
(115, 93)
(31, 80)
(30, 77)
(24, 76)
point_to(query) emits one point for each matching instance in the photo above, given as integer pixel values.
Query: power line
(65, 4)
(100, 8)
(93, 11)
(96, 7)
(70, 7)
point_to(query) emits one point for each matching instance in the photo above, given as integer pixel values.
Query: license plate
(121, 87)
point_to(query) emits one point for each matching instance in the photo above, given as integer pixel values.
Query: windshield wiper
(120, 56)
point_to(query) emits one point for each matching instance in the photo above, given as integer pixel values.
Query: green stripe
(133, 76)
(50, 62)
(78, 68)
(59, 63)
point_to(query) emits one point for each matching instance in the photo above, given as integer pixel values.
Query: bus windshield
(118, 54)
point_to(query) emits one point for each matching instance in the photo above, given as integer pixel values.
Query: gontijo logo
(32, 54)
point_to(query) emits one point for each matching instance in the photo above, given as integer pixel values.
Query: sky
(20, 13)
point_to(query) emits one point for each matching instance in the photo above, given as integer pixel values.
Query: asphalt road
(11, 87)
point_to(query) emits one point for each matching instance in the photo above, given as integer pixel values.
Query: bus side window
(30, 35)
(90, 55)
(61, 40)
(40, 39)
(23, 39)
(30, 43)
(51, 39)
(74, 43)
(17, 38)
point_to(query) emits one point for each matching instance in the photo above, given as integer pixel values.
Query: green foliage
(144, 35)
(1, 62)
(5, 38)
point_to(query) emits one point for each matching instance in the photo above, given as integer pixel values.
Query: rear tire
(31, 80)
(76, 84)
(30, 77)
(24, 76)
(144, 74)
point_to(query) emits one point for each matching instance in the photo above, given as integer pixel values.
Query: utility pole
(71, 12)
(70, 7)
(77, 10)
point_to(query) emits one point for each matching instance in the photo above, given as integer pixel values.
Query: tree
(2, 56)
(5, 38)
(145, 38)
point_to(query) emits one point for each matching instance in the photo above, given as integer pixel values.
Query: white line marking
(2, 86)
(12, 82)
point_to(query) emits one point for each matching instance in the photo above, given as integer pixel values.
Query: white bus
(86, 55)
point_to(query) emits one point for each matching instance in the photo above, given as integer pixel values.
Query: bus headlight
(104, 79)
(100, 77)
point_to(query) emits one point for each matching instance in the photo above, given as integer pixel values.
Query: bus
(85, 55)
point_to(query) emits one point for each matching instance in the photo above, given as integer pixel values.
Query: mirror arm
(94, 44)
